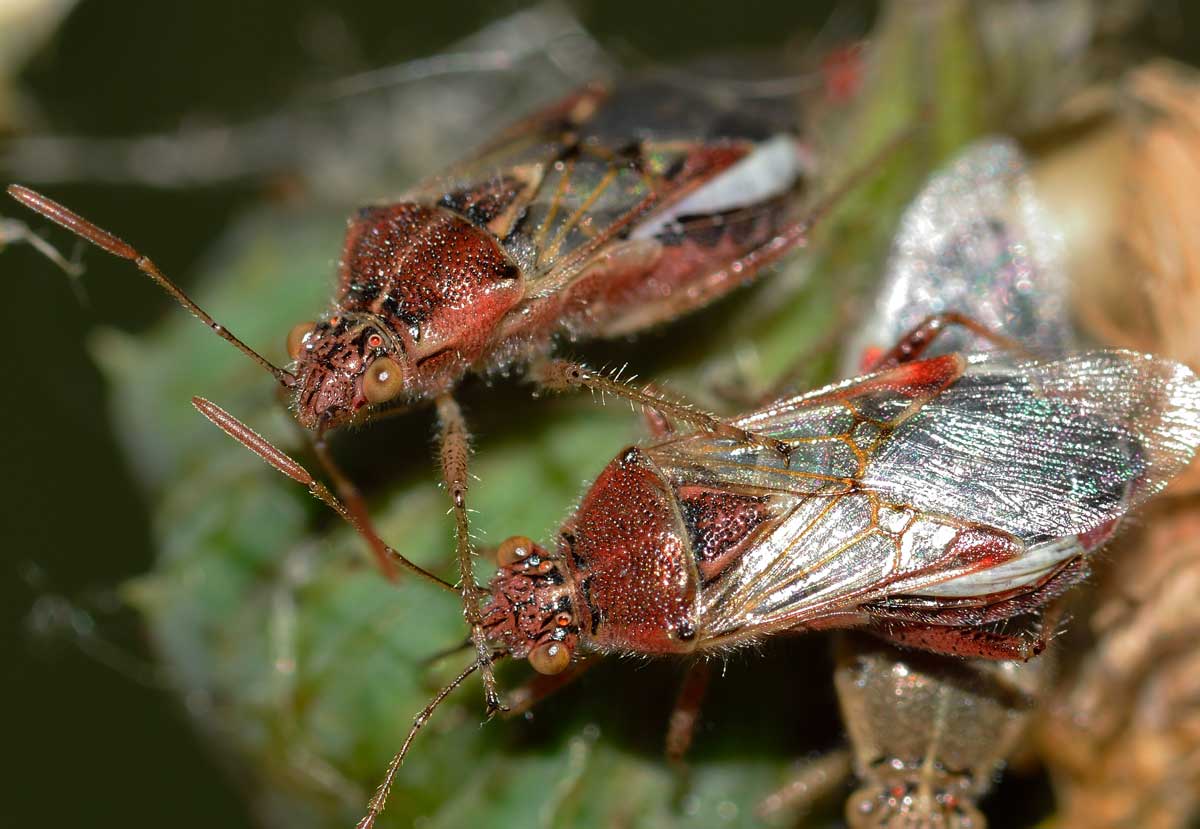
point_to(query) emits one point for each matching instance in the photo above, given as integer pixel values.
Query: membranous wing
(975, 240)
(956, 476)
(604, 165)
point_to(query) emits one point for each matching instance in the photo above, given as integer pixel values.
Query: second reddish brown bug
(922, 502)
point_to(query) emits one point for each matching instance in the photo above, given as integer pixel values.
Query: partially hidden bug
(607, 212)
(921, 502)
(928, 733)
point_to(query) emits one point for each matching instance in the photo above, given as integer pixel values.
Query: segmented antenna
(117, 246)
(284, 463)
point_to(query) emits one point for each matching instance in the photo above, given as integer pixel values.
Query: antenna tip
(72, 221)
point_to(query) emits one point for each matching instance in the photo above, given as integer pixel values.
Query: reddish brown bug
(603, 214)
(921, 502)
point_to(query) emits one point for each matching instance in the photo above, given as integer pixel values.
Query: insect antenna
(104, 240)
(260, 446)
(375, 808)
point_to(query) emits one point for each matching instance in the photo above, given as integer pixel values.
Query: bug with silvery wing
(924, 502)
(929, 733)
(603, 214)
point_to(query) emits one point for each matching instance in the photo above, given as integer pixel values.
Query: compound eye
(514, 549)
(382, 381)
(297, 337)
(550, 658)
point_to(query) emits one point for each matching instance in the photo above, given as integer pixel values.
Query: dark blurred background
(91, 740)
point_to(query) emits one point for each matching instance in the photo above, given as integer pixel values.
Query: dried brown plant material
(1163, 209)
(1122, 734)
(1133, 227)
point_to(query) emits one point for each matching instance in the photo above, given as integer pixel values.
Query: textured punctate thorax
(437, 280)
(633, 562)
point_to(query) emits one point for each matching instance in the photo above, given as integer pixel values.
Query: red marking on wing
(920, 378)
(979, 549)
(871, 357)
(1096, 538)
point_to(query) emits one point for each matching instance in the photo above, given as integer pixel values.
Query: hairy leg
(539, 687)
(454, 453)
(925, 333)
(564, 374)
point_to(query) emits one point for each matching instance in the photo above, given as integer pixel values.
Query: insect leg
(563, 374)
(686, 714)
(681, 728)
(106, 241)
(813, 780)
(355, 504)
(379, 800)
(657, 424)
(260, 446)
(913, 344)
(454, 450)
(528, 695)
